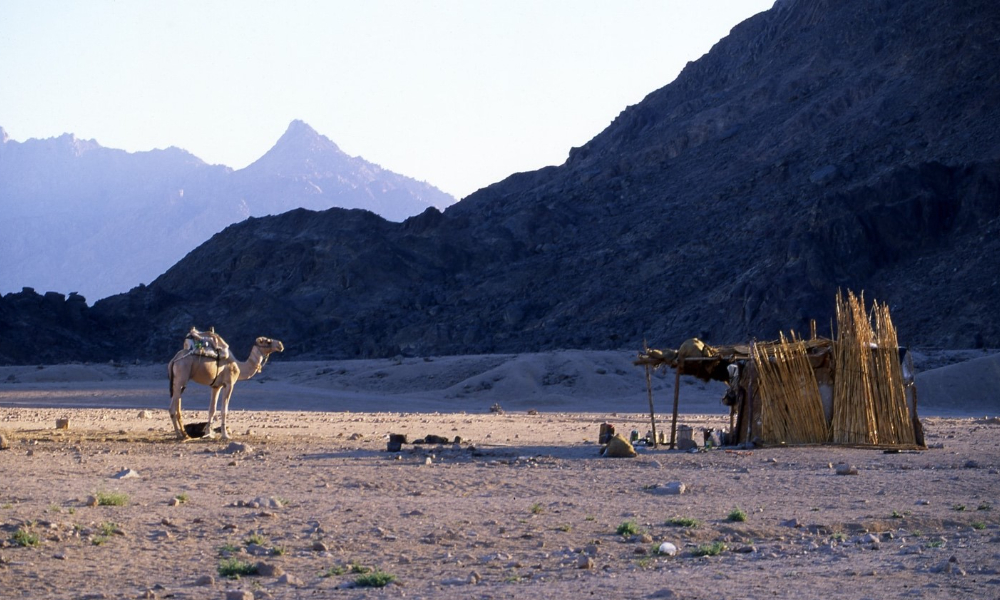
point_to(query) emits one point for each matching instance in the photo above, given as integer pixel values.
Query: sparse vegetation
(978, 525)
(934, 544)
(334, 571)
(255, 538)
(683, 522)
(566, 528)
(234, 568)
(111, 498)
(896, 515)
(181, 498)
(737, 514)
(984, 506)
(537, 509)
(376, 578)
(628, 528)
(713, 549)
(108, 528)
(228, 549)
(24, 538)
(357, 567)
(958, 507)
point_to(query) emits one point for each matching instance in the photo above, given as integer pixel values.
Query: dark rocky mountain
(823, 144)
(73, 209)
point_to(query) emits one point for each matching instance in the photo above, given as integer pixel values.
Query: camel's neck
(252, 365)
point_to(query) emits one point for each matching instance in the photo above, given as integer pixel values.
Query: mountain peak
(3, 136)
(300, 151)
(301, 137)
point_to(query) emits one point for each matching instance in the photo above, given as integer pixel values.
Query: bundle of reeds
(869, 404)
(791, 406)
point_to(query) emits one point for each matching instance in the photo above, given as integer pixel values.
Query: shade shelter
(856, 389)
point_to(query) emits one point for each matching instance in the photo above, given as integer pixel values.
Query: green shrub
(234, 568)
(628, 528)
(737, 514)
(24, 538)
(713, 549)
(112, 498)
(683, 522)
(376, 578)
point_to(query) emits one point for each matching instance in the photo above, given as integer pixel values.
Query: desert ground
(306, 501)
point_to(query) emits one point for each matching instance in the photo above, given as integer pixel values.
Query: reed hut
(856, 389)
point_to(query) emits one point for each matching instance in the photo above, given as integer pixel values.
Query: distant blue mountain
(79, 217)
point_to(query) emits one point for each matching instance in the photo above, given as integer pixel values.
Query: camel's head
(267, 345)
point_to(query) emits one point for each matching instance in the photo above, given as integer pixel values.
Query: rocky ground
(310, 503)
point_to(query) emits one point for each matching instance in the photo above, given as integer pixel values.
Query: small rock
(475, 578)
(126, 474)
(585, 562)
(59, 556)
(145, 414)
(428, 461)
(205, 580)
(672, 488)
(845, 469)
(237, 448)
(971, 464)
(174, 502)
(287, 579)
(91, 501)
(667, 549)
(923, 502)
(258, 550)
(320, 547)
(239, 595)
(268, 570)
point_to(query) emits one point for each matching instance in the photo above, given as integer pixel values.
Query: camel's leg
(225, 410)
(177, 418)
(209, 432)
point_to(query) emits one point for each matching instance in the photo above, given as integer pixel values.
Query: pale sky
(458, 93)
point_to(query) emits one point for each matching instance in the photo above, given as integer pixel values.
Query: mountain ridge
(820, 146)
(73, 206)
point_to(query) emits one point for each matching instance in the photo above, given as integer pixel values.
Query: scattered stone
(174, 502)
(590, 549)
(239, 595)
(428, 461)
(59, 556)
(145, 414)
(205, 580)
(667, 549)
(91, 501)
(971, 464)
(475, 578)
(746, 549)
(287, 579)
(62, 423)
(258, 550)
(585, 562)
(237, 448)
(268, 570)
(126, 474)
(355, 437)
(923, 502)
(320, 547)
(673, 488)
(846, 469)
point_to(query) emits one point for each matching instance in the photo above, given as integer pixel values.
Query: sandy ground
(522, 507)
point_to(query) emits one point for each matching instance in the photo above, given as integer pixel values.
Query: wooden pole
(652, 418)
(677, 394)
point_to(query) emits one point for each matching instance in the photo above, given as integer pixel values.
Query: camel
(220, 374)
